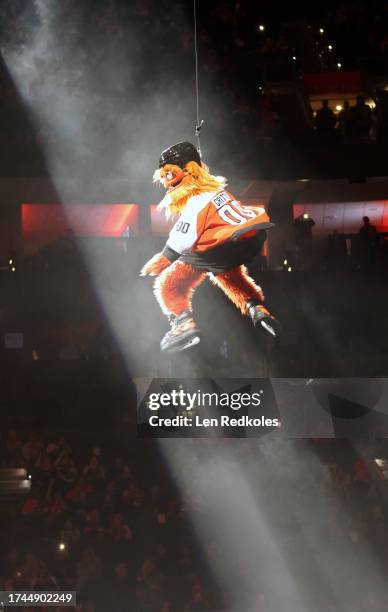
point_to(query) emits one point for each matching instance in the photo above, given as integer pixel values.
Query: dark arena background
(294, 103)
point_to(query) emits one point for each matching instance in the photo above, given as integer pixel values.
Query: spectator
(361, 119)
(123, 593)
(368, 232)
(368, 243)
(345, 120)
(325, 121)
(103, 558)
(303, 226)
(93, 474)
(88, 571)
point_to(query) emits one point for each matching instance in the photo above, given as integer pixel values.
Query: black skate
(183, 334)
(262, 317)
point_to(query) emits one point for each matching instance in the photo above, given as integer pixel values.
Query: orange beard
(183, 184)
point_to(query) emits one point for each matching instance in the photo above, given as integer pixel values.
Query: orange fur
(238, 286)
(155, 265)
(175, 283)
(175, 286)
(197, 179)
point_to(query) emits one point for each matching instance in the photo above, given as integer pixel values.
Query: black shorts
(228, 255)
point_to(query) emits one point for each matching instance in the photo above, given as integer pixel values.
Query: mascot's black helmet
(179, 154)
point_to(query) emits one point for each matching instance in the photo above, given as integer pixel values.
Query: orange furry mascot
(213, 236)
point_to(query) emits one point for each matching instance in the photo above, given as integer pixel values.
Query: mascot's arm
(159, 262)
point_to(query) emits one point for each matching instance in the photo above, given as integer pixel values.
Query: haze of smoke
(83, 87)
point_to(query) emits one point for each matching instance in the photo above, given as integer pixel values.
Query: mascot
(214, 236)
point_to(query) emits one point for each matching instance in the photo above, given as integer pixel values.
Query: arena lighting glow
(339, 65)
(338, 107)
(345, 217)
(294, 58)
(321, 30)
(84, 219)
(261, 27)
(10, 262)
(60, 109)
(43, 224)
(289, 269)
(247, 508)
(62, 546)
(305, 216)
(241, 507)
(223, 485)
(330, 47)
(285, 262)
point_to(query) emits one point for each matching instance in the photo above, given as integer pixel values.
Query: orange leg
(175, 286)
(239, 287)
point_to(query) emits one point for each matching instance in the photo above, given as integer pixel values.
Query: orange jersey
(212, 219)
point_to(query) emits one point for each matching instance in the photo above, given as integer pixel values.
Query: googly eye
(169, 175)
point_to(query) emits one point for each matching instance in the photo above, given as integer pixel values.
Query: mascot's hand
(155, 265)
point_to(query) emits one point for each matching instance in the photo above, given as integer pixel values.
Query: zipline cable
(199, 123)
